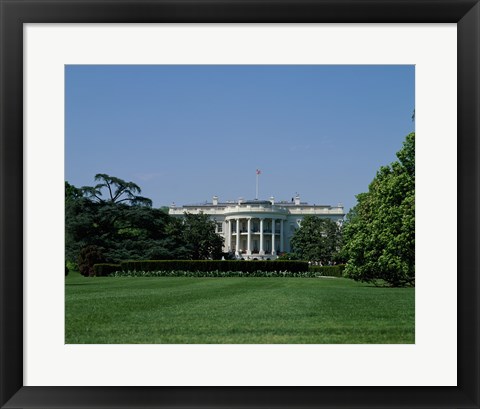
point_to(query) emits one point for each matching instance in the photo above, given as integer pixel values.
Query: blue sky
(186, 133)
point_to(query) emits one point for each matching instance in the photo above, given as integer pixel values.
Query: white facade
(258, 229)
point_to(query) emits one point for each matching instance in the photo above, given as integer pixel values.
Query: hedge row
(215, 265)
(216, 268)
(330, 271)
(105, 269)
(216, 273)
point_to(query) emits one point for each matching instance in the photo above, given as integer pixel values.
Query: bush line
(216, 268)
(330, 271)
(214, 265)
(216, 273)
(105, 269)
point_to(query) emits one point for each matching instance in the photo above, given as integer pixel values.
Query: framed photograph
(50, 52)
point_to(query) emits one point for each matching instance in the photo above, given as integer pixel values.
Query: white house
(258, 229)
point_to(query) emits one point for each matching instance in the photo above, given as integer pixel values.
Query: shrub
(287, 256)
(72, 266)
(66, 270)
(243, 266)
(214, 273)
(330, 271)
(105, 269)
(89, 256)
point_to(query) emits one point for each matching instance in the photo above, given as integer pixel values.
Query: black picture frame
(14, 13)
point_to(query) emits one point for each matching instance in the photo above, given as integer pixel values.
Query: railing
(307, 210)
(206, 210)
(268, 231)
(259, 209)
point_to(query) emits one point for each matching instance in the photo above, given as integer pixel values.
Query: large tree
(113, 219)
(379, 233)
(317, 240)
(80, 222)
(199, 237)
(123, 225)
(116, 190)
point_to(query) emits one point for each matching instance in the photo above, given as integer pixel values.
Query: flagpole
(256, 190)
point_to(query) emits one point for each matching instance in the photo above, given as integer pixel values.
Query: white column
(249, 236)
(261, 238)
(229, 235)
(281, 235)
(237, 252)
(273, 237)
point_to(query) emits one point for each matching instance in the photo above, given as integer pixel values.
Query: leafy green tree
(317, 240)
(287, 256)
(133, 232)
(111, 216)
(379, 233)
(200, 238)
(117, 191)
(72, 193)
(80, 223)
(125, 225)
(176, 243)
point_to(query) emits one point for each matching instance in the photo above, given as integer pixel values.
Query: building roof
(282, 203)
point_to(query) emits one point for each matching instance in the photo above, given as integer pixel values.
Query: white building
(258, 229)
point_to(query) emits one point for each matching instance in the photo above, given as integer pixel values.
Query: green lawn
(131, 310)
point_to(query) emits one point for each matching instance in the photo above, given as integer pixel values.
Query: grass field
(182, 310)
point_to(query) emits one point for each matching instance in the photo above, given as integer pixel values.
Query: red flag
(258, 171)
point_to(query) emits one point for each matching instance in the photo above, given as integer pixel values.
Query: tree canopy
(117, 190)
(124, 226)
(317, 240)
(201, 238)
(379, 233)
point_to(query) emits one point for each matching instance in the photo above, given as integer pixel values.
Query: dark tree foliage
(72, 193)
(133, 232)
(126, 227)
(317, 240)
(379, 233)
(199, 237)
(87, 258)
(287, 256)
(124, 232)
(80, 226)
(176, 244)
(117, 191)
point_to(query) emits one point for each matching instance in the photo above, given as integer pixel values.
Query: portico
(255, 236)
(258, 229)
